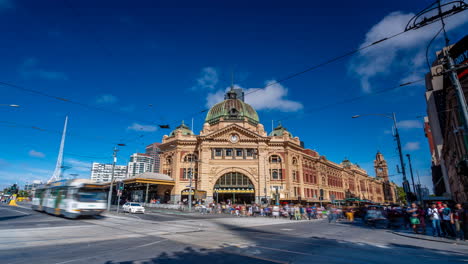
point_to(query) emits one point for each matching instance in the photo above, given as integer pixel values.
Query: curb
(428, 239)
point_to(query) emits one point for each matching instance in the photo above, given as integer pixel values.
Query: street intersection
(27, 236)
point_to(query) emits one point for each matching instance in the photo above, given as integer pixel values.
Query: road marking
(149, 244)
(287, 251)
(255, 257)
(15, 210)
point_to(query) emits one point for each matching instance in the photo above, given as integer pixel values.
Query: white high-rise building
(140, 163)
(102, 172)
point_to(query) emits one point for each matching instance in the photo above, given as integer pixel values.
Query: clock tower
(380, 165)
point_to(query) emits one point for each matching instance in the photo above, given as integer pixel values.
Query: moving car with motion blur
(133, 208)
(376, 216)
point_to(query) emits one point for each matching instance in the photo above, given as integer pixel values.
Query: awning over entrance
(151, 178)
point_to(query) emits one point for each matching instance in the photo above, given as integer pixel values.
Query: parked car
(133, 208)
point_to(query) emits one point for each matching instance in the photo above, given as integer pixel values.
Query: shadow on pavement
(4, 218)
(273, 247)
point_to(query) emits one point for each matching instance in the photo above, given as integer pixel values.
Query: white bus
(70, 198)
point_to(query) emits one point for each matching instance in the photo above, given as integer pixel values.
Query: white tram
(70, 198)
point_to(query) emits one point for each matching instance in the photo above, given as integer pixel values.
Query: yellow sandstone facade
(233, 158)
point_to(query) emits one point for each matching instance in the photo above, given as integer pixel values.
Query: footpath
(428, 236)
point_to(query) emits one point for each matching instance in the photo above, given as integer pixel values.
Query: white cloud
(30, 69)
(208, 79)
(106, 99)
(36, 154)
(403, 55)
(214, 98)
(410, 146)
(78, 165)
(144, 128)
(408, 124)
(272, 97)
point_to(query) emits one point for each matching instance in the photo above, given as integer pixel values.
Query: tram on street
(70, 198)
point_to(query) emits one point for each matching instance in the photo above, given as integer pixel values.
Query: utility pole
(411, 171)
(406, 186)
(452, 71)
(190, 185)
(109, 196)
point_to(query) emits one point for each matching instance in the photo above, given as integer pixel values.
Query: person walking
(447, 221)
(314, 211)
(331, 214)
(435, 218)
(276, 211)
(458, 218)
(297, 213)
(414, 219)
(422, 219)
(309, 212)
(350, 215)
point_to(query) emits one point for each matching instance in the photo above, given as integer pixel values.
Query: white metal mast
(58, 167)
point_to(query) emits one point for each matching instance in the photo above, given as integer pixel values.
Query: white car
(133, 208)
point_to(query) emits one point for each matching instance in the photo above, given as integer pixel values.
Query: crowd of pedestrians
(442, 220)
(287, 211)
(445, 222)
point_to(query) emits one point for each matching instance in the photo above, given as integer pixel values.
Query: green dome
(232, 109)
(279, 131)
(184, 129)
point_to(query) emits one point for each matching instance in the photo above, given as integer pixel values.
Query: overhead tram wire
(346, 101)
(331, 60)
(62, 99)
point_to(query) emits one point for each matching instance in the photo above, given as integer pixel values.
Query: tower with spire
(381, 168)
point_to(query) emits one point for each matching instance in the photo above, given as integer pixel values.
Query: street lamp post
(411, 172)
(406, 186)
(109, 197)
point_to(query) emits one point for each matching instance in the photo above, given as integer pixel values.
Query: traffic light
(120, 186)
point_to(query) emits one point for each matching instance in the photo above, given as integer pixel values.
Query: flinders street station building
(234, 158)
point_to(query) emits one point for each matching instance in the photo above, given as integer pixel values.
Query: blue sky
(152, 62)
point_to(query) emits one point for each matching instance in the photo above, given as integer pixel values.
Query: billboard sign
(459, 53)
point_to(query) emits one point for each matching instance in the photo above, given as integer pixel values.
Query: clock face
(234, 138)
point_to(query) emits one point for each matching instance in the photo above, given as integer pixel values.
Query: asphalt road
(31, 237)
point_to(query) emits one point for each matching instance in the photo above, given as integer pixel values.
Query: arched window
(234, 179)
(294, 161)
(169, 160)
(275, 159)
(190, 158)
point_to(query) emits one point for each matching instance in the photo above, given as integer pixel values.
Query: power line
(319, 65)
(356, 98)
(66, 100)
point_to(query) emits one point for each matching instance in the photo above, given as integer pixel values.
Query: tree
(23, 193)
(401, 194)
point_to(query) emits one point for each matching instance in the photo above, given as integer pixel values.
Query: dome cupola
(232, 109)
(184, 129)
(279, 131)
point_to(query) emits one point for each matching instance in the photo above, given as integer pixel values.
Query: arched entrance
(234, 187)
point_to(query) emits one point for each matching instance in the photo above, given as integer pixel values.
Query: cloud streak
(106, 99)
(36, 154)
(143, 128)
(411, 146)
(409, 124)
(30, 69)
(208, 79)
